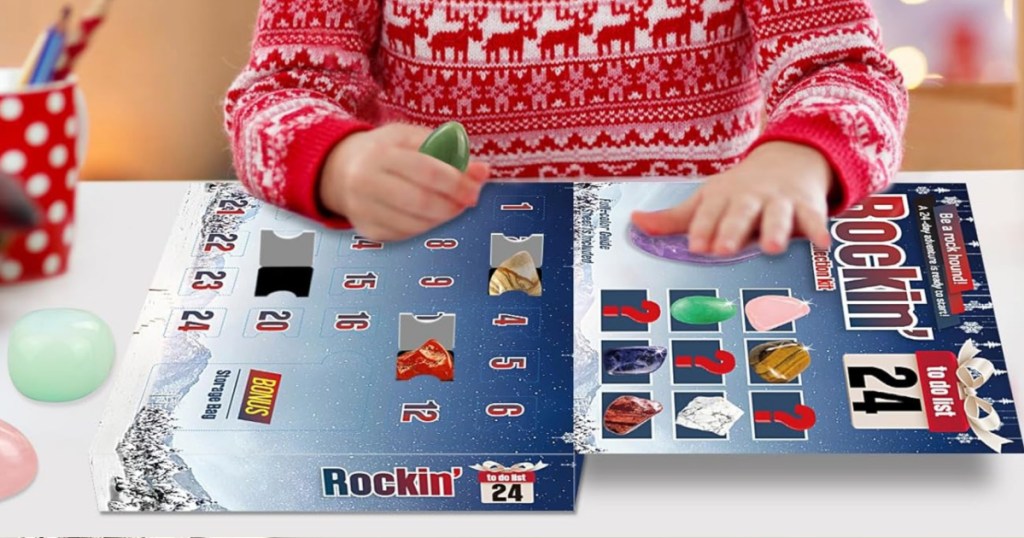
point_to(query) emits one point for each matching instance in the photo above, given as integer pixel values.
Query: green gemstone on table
(59, 355)
(449, 143)
(702, 310)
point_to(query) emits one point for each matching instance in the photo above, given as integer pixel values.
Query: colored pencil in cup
(52, 49)
(79, 36)
(29, 67)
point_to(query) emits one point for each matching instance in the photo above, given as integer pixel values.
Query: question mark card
(700, 362)
(627, 311)
(780, 416)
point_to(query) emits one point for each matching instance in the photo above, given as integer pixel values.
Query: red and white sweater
(569, 89)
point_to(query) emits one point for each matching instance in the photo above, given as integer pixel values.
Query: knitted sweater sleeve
(828, 84)
(307, 85)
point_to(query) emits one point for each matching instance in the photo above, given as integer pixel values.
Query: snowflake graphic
(971, 327)
(952, 200)
(977, 305)
(964, 438)
(922, 190)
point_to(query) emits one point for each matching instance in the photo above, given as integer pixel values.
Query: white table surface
(121, 231)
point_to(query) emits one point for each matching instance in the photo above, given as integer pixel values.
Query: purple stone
(677, 248)
(634, 360)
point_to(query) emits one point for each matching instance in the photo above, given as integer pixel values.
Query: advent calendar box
(280, 366)
(886, 342)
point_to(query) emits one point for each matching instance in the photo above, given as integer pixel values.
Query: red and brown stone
(627, 413)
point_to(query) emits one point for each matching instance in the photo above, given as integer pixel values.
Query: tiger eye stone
(702, 310)
(449, 143)
(781, 361)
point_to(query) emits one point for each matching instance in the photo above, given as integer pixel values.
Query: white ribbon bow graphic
(495, 467)
(983, 427)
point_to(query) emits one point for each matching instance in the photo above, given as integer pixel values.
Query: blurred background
(156, 73)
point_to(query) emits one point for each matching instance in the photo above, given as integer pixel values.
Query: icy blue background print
(823, 385)
(338, 394)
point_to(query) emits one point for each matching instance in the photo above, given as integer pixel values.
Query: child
(328, 116)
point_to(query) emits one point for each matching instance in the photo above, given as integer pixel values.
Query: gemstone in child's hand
(450, 144)
(59, 355)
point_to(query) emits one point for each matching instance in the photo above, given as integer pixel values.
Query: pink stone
(769, 312)
(18, 462)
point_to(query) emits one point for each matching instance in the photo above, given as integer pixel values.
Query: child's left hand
(779, 191)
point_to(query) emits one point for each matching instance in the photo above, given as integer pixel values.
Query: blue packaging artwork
(281, 366)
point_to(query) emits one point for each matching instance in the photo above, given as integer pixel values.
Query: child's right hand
(390, 191)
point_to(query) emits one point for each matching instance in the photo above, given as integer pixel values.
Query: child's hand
(779, 191)
(390, 191)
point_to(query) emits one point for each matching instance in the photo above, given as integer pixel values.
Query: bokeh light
(951, 41)
(912, 63)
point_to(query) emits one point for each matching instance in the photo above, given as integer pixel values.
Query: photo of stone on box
(280, 366)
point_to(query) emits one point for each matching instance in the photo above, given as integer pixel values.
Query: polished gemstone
(677, 248)
(781, 361)
(709, 414)
(59, 355)
(627, 413)
(450, 144)
(634, 360)
(518, 273)
(769, 312)
(702, 310)
(429, 359)
(18, 462)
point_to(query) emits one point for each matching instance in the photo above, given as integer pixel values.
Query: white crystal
(709, 414)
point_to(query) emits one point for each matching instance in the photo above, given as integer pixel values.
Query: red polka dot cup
(41, 142)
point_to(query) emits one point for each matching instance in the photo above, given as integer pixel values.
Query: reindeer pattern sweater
(569, 89)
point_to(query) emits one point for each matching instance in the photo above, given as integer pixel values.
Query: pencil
(29, 67)
(78, 38)
(52, 49)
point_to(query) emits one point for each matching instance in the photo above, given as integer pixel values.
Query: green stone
(449, 143)
(702, 310)
(59, 355)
